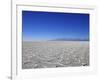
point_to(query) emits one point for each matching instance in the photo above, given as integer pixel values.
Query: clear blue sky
(52, 25)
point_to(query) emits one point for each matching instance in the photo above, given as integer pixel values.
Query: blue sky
(52, 25)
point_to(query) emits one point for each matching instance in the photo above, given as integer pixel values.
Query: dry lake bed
(52, 54)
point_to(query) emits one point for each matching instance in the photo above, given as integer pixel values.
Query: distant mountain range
(65, 39)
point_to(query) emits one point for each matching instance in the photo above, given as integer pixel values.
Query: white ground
(53, 54)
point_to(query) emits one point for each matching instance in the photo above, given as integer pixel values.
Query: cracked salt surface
(51, 54)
